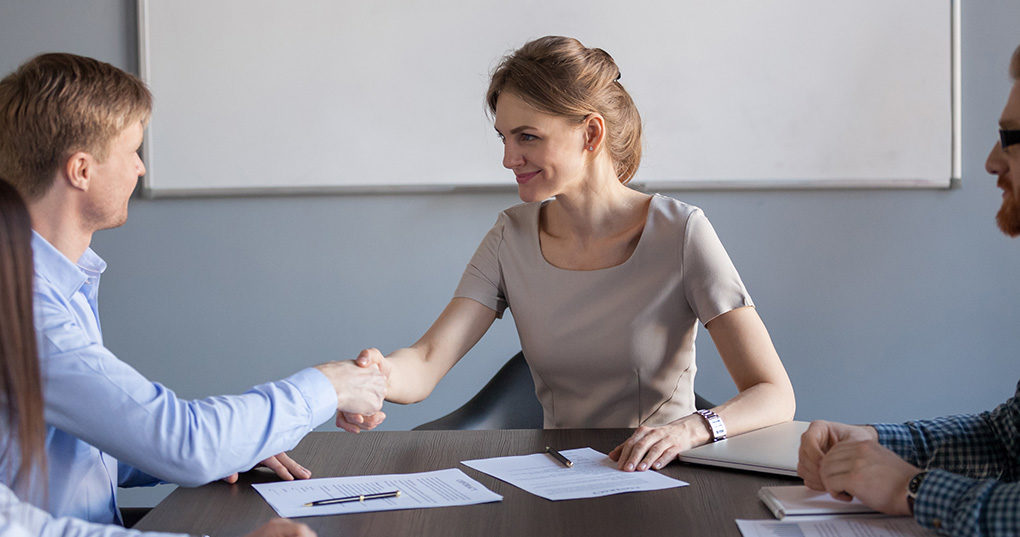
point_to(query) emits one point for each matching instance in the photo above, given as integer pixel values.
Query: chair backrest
(508, 401)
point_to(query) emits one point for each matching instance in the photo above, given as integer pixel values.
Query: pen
(358, 498)
(559, 457)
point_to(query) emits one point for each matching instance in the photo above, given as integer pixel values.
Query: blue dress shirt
(18, 519)
(107, 425)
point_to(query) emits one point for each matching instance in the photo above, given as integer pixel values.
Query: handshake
(361, 387)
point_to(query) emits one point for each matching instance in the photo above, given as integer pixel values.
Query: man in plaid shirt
(957, 475)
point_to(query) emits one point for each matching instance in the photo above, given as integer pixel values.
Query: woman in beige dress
(606, 284)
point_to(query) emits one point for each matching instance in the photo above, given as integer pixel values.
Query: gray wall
(884, 305)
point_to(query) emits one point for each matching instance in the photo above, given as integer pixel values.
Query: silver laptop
(772, 450)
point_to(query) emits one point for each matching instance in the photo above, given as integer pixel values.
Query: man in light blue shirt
(70, 129)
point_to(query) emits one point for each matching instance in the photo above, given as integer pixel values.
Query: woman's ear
(594, 132)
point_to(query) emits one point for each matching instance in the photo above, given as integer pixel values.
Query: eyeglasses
(1009, 137)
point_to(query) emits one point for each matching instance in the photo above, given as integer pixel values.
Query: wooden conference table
(707, 507)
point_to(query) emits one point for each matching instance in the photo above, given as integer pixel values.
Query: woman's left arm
(765, 398)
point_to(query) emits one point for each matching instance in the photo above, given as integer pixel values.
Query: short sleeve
(711, 283)
(483, 278)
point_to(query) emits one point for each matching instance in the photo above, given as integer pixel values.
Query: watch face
(915, 483)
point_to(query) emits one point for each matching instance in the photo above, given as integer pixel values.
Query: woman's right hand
(372, 355)
(412, 373)
(281, 527)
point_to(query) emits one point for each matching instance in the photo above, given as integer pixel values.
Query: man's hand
(353, 422)
(819, 438)
(865, 470)
(285, 467)
(359, 390)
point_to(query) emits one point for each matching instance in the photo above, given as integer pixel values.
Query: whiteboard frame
(954, 180)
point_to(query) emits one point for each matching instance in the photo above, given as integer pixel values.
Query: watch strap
(715, 423)
(913, 487)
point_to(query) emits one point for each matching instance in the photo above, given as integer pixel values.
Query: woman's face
(545, 152)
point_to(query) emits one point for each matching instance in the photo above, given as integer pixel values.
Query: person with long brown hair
(606, 283)
(22, 452)
(20, 386)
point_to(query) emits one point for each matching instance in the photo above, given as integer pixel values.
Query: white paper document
(593, 474)
(835, 526)
(440, 488)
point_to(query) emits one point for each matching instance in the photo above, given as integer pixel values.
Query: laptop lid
(771, 450)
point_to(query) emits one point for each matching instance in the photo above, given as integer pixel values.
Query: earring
(591, 148)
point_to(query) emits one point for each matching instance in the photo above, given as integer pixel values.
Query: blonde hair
(560, 76)
(57, 104)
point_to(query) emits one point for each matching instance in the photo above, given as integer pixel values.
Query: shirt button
(937, 523)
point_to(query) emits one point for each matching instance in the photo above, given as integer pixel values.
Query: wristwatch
(913, 487)
(715, 423)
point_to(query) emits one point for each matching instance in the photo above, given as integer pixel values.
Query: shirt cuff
(944, 498)
(318, 392)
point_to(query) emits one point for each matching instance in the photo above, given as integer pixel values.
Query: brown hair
(559, 75)
(57, 104)
(1014, 65)
(21, 401)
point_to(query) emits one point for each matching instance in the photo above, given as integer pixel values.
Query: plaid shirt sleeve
(974, 490)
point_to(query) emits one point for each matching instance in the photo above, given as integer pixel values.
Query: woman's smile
(523, 178)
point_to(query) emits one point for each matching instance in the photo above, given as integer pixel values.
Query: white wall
(884, 305)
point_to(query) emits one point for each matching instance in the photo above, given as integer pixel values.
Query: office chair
(507, 402)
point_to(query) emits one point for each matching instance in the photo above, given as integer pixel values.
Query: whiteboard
(263, 96)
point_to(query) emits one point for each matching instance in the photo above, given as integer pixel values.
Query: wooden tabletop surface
(707, 507)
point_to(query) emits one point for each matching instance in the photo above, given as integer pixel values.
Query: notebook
(771, 450)
(800, 501)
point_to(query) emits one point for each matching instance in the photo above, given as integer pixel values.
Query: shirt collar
(57, 269)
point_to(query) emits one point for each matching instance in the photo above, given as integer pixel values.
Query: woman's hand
(373, 356)
(355, 423)
(655, 447)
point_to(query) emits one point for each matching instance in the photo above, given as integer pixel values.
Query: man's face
(114, 180)
(1005, 163)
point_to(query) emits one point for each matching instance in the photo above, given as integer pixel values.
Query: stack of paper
(800, 500)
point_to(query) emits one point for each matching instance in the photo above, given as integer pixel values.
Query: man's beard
(1008, 217)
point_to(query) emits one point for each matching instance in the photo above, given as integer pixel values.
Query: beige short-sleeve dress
(612, 347)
